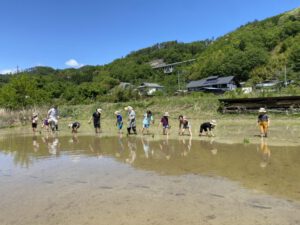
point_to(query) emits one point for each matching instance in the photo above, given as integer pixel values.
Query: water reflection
(35, 144)
(186, 145)
(164, 147)
(132, 146)
(242, 163)
(146, 147)
(265, 153)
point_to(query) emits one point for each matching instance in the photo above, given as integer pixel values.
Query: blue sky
(65, 33)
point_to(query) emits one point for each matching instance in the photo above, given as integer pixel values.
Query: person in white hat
(96, 117)
(75, 126)
(263, 122)
(207, 127)
(165, 123)
(34, 121)
(131, 120)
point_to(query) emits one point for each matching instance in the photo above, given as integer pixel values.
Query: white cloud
(8, 71)
(73, 63)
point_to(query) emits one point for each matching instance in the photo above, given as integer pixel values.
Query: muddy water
(121, 180)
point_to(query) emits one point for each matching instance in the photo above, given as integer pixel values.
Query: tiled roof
(209, 81)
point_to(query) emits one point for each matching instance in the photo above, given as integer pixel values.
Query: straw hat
(213, 122)
(34, 114)
(128, 108)
(166, 114)
(117, 112)
(99, 110)
(262, 110)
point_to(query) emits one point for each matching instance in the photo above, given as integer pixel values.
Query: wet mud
(51, 179)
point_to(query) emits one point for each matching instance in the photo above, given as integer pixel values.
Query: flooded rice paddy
(134, 180)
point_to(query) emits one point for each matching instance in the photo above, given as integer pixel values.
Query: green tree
(22, 92)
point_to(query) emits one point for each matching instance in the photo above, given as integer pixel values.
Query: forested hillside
(257, 51)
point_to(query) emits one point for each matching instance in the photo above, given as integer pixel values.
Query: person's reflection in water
(74, 139)
(35, 144)
(132, 151)
(187, 145)
(146, 146)
(164, 147)
(213, 149)
(121, 146)
(53, 146)
(96, 148)
(265, 153)
(209, 146)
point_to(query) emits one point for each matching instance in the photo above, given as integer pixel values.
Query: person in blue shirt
(119, 122)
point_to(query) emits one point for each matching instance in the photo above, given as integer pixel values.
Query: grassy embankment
(232, 128)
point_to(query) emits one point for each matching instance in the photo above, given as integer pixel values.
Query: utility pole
(178, 80)
(285, 80)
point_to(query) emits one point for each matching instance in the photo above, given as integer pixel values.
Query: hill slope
(256, 51)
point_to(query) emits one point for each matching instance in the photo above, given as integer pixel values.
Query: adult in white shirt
(131, 120)
(53, 116)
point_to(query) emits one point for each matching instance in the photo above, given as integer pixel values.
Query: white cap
(262, 110)
(213, 122)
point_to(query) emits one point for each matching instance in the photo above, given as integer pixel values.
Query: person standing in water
(131, 120)
(96, 119)
(263, 122)
(34, 121)
(148, 119)
(165, 123)
(53, 117)
(119, 122)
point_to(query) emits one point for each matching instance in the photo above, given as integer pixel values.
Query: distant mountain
(257, 51)
(260, 50)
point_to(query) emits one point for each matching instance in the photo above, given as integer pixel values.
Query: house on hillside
(214, 84)
(272, 85)
(149, 89)
(269, 85)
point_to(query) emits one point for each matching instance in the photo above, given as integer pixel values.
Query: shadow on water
(274, 170)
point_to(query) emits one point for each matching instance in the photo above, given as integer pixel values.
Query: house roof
(209, 81)
(270, 83)
(150, 85)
